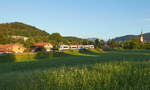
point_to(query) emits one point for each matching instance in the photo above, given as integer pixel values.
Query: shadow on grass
(49, 55)
(90, 52)
(7, 58)
(133, 51)
(74, 60)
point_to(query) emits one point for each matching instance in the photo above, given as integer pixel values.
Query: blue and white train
(75, 47)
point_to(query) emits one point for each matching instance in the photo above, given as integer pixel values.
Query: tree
(97, 43)
(135, 43)
(30, 42)
(102, 43)
(85, 42)
(114, 44)
(56, 38)
(91, 42)
(2, 39)
(126, 45)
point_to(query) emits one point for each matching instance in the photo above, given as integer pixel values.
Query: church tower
(141, 38)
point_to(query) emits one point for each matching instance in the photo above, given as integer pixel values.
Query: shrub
(108, 49)
(99, 49)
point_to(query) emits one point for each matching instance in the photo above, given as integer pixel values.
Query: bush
(57, 54)
(75, 51)
(108, 49)
(99, 50)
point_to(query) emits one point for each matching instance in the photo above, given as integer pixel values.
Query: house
(42, 47)
(12, 48)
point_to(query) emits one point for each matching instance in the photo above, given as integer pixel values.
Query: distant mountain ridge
(21, 29)
(130, 37)
(92, 39)
(74, 39)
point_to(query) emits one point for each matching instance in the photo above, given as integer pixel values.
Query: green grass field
(80, 70)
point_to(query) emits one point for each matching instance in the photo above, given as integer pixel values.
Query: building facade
(42, 47)
(141, 37)
(12, 48)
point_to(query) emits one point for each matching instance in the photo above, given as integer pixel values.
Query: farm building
(12, 48)
(74, 47)
(42, 47)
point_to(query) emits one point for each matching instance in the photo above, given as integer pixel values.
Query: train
(74, 47)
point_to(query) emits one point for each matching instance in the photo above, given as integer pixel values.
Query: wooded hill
(130, 37)
(21, 29)
(76, 39)
(34, 34)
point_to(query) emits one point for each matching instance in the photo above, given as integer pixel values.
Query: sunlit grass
(114, 70)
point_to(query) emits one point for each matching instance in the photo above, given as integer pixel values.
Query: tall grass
(115, 70)
(116, 76)
(29, 57)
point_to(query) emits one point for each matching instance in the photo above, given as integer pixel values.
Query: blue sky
(82, 18)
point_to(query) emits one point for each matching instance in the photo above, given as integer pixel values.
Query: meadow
(80, 70)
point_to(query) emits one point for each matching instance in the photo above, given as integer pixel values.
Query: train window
(65, 47)
(74, 47)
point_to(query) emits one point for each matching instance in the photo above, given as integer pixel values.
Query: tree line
(128, 44)
(36, 35)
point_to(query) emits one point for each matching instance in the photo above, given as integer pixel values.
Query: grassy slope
(84, 71)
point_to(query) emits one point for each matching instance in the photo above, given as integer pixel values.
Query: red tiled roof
(40, 44)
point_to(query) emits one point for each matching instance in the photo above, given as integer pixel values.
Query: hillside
(21, 29)
(34, 34)
(92, 39)
(73, 40)
(130, 37)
